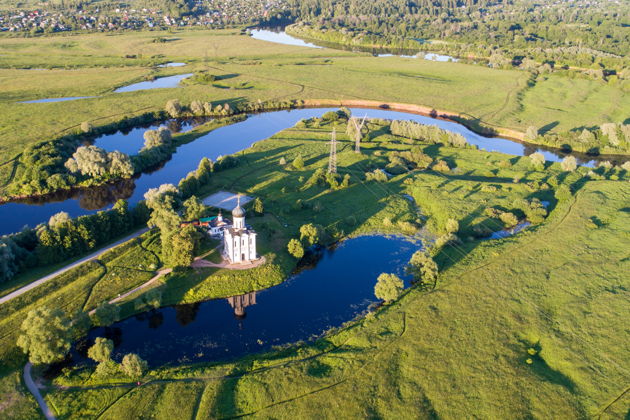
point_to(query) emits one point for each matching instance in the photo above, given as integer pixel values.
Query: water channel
(279, 36)
(337, 289)
(222, 141)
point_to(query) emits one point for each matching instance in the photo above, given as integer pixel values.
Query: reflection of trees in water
(186, 313)
(99, 197)
(156, 319)
(114, 334)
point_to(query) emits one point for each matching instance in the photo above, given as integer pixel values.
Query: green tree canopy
(295, 248)
(133, 366)
(102, 349)
(388, 287)
(45, 335)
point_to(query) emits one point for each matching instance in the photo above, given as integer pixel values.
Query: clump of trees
(377, 175)
(179, 243)
(96, 163)
(295, 248)
(426, 133)
(401, 162)
(62, 238)
(327, 179)
(423, 268)
(101, 351)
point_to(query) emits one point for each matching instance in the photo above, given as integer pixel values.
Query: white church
(239, 242)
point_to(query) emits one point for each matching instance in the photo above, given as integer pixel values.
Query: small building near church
(239, 242)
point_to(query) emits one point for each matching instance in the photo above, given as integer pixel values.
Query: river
(222, 141)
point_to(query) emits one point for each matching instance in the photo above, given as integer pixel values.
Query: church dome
(238, 211)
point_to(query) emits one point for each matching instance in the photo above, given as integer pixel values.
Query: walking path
(51, 276)
(155, 278)
(30, 384)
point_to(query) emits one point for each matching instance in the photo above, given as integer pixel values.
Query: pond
(158, 83)
(337, 289)
(172, 65)
(223, 141)
(279, 36)
(46, 100)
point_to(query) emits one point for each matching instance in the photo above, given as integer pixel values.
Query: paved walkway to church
(200, 263)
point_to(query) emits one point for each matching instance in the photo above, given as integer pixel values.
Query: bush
(133, 366)
(295, 248)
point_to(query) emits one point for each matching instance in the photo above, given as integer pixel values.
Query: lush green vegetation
(470, 187)
(253, 70)
(533, 355)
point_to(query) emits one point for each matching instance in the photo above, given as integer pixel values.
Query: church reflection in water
(239, 303)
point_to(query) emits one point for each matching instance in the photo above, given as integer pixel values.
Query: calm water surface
(67, 98)
(337, 289)
(279, 36)
(158, 83)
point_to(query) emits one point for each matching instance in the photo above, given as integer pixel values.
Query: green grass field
(462, 348)
(559, 289)
(267, 71)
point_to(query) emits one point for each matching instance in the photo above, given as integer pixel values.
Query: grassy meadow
(549, 351)
(523, 327)
(266, 71)
(516, 329)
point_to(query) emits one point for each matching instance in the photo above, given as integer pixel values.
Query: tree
(173, 108)
(133, 366)
(423, 268)
(258, 206)
(179, 249)
(531, 133)
(508, 219)
(204, 170)
(196, 107)
(537, 160)
(388, 287)
(310, 233)
(295, 248)
(86, 127)
(120, 164)
(46, 335)
(89, 160)
(193, 208)
(157, 138)
(59, 219)
(569, 164)
(452, 226)
(298, 163)
(102, 349)
(106, 314)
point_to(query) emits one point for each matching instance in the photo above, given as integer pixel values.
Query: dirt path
(32, 387)
(77, 263)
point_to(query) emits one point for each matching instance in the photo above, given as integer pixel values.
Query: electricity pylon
(332, 159)
(357, 133)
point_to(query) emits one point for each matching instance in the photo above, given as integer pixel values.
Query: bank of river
(224, 141)
(336, 289)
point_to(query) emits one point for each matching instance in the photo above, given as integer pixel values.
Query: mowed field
(266, 71)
